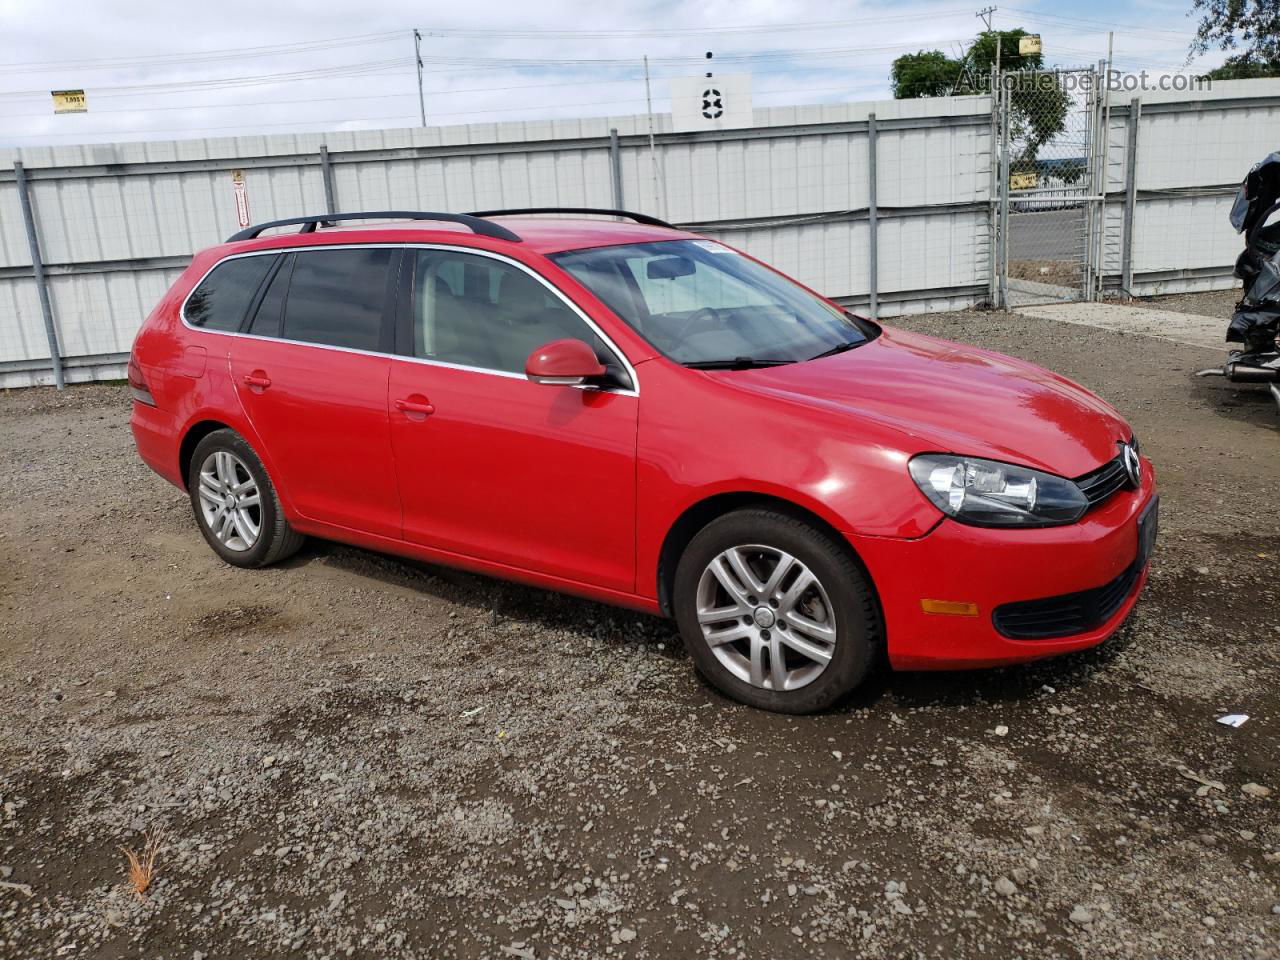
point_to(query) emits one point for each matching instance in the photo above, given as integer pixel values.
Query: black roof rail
(637, 217)
(482, 227)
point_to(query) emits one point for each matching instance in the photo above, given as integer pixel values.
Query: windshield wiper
(737, 363)
(839, 348)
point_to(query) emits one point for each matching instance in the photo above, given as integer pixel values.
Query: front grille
(1067, 614)
(1099, 485)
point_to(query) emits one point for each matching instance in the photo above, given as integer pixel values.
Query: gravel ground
(1209, 303)
(353, 755)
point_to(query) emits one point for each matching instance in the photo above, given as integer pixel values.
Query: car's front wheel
(235, 503)
(774, 612)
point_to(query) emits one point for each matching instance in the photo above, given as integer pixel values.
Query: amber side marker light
(952, 608)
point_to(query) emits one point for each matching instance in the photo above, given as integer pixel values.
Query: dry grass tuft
(142, 866)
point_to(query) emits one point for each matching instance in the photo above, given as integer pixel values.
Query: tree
(1038, 103)
(929, 73)
(1250, 26)
(1242, 68)
(983, 54)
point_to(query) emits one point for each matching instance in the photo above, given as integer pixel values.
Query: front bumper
(991, 567)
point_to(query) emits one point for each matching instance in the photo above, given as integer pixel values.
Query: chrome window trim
(604, 337)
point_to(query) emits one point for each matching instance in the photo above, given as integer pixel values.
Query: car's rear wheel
(235, 503)
(774, 612)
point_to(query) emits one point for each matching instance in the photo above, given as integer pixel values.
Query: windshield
(703, 304)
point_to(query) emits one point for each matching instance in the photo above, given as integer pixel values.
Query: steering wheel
(702, 317)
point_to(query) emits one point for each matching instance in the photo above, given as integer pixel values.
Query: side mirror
(563, 363)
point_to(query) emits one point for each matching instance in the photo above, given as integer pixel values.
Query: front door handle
(415, 406)
(258, 380)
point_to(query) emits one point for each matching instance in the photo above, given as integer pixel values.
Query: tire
(219, 457)
(749, 623)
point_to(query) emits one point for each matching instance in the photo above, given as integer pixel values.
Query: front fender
(700, 438)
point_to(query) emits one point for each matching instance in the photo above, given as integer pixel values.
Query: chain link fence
(1048, 125)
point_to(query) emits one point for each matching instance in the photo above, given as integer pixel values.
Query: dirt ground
(1062, 273)
(1211, 303)
(352, 755)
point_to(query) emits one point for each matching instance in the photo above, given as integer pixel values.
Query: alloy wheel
(230, 501)
(766, 617)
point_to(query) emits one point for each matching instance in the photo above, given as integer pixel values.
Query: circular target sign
(712, 104)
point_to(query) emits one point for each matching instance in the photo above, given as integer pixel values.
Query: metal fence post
(326, 172)
(1130, 195)
(37, 271)
(873, 254)
(1002, 250)
(1105, 163)
(615, 168)
(993, 189)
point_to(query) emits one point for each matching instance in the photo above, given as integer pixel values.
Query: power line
(309, 46)
(345, 70)
(509, 34)
(450, 65)
(1130, 29)
(799, 53)
(227, 53)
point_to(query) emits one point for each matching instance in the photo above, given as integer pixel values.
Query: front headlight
(991, 494)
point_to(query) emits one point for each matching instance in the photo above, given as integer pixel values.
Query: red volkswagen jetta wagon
(635, 414)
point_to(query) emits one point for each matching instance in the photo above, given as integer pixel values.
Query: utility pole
(417, 56)
(984, 15)
(653, 153)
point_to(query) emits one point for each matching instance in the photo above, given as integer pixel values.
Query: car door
(311, 371)
(492, 465)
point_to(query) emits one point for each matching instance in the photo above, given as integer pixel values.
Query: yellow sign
(1029, 44)
(69, 101)
(1022, 181)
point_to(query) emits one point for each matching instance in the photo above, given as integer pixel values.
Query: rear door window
(338, 298)
(266, 319)
(221, 299)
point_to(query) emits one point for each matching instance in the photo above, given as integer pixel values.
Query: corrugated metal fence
(117, 222)
(1175, 160)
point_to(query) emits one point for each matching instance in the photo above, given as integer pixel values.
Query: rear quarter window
(221, 299)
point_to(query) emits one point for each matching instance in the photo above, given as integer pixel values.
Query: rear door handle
(257, 379)
(416, 406)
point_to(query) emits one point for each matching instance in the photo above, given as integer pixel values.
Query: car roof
(557, 234)
(541, 234)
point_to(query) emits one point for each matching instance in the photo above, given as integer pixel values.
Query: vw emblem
(1132, 465)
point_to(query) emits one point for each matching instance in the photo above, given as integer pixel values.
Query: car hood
(954, 398)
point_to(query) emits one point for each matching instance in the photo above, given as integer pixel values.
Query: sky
(177, 70)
